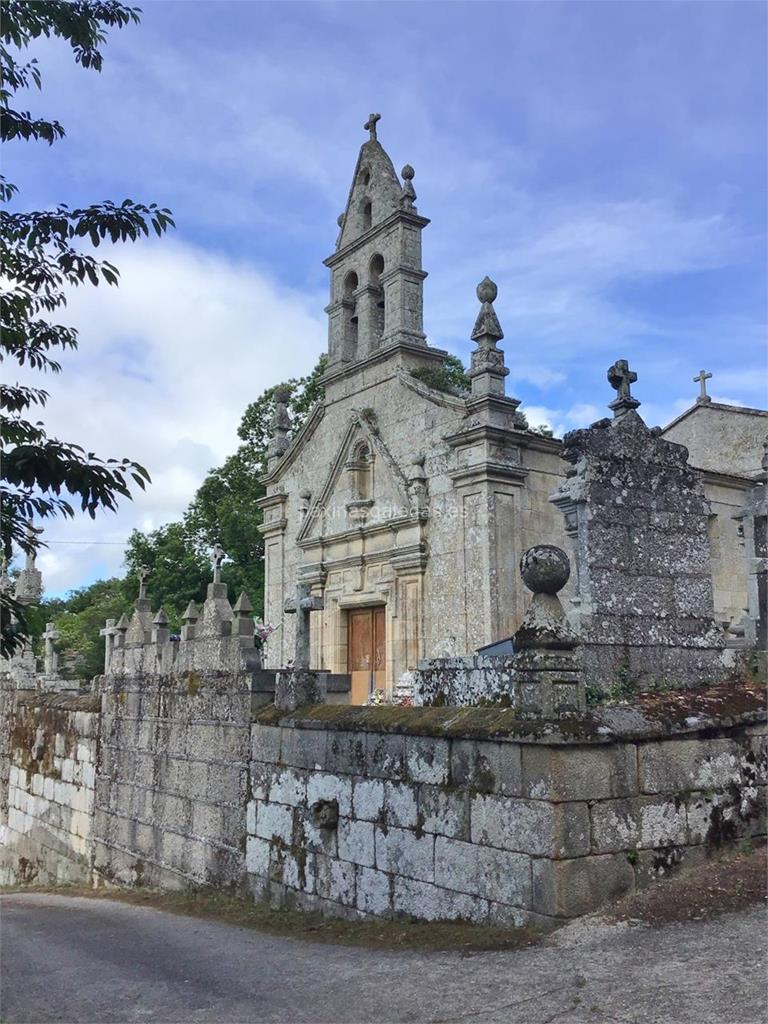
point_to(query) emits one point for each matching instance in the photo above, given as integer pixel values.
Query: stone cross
(620, 377)
(51, 655)
(109, 632)
(217, 557)
(301, 606)
(702, 379)
(144, 573)
(370, 125)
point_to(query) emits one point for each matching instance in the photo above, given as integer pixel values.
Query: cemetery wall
(432, 813)
(51, 751)
(390, 812)
(171, 785)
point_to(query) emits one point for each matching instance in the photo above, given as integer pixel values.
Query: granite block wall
(428, 813)
(172, 781)
(52, 751)
(362, 822)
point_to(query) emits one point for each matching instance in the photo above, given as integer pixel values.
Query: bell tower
(376, 276)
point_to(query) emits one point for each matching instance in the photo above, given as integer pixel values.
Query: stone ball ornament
(545, 569)
(487, 290)
(407, 173)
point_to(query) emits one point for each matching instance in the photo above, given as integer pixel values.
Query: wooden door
(366, 651)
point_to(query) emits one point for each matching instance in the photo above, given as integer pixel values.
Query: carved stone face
(325, 814)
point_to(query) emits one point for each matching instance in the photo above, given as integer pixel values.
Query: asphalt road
(78, 960)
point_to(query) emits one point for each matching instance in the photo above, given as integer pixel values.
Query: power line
(113, 543)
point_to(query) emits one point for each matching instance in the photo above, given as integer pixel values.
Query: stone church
(404, 507)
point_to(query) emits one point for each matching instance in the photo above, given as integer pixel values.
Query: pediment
(365, 485)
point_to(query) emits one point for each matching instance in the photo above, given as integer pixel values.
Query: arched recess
(366, 214)
(351, 318)
(360, 468)
(378, 309)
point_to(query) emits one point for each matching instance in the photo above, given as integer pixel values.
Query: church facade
(404, 507)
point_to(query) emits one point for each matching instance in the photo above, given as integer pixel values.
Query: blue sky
(603, 162)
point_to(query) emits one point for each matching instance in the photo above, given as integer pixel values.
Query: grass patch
(313, 927)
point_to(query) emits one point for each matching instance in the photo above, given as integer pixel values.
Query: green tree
(450, 376)
(42, 258)
(80, 620)
(180, 573)
(256, 424)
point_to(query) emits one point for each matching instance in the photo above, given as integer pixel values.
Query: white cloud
(167, 364)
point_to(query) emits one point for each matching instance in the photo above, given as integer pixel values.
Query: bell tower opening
(378, 309)
(351, 325)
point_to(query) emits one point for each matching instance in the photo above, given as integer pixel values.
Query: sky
(603, 162)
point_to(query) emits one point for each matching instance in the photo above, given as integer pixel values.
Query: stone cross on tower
(217, 557)
(620, 377)
(702, 379)
(301, 606)
(51, 657)
(370, 125)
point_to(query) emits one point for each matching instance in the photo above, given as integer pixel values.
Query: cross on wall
(301, 606)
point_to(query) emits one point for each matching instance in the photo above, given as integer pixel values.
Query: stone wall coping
(61, 701)
(654, 716)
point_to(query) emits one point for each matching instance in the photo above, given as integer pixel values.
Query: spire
(487, 370)
(375, 191)
(377, 278)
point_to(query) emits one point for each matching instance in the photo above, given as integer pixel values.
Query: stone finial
(243, 605)
(408, 195)
(545, 570)
(121, 628)
(370, 126)
(418, 483)
(189, 620)
(620, 377)
(191, 613)
(487, 370)
(160, 630)
(701, 380)
(487, 330)
(546, 660)
(243, 624)
(280, 426)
